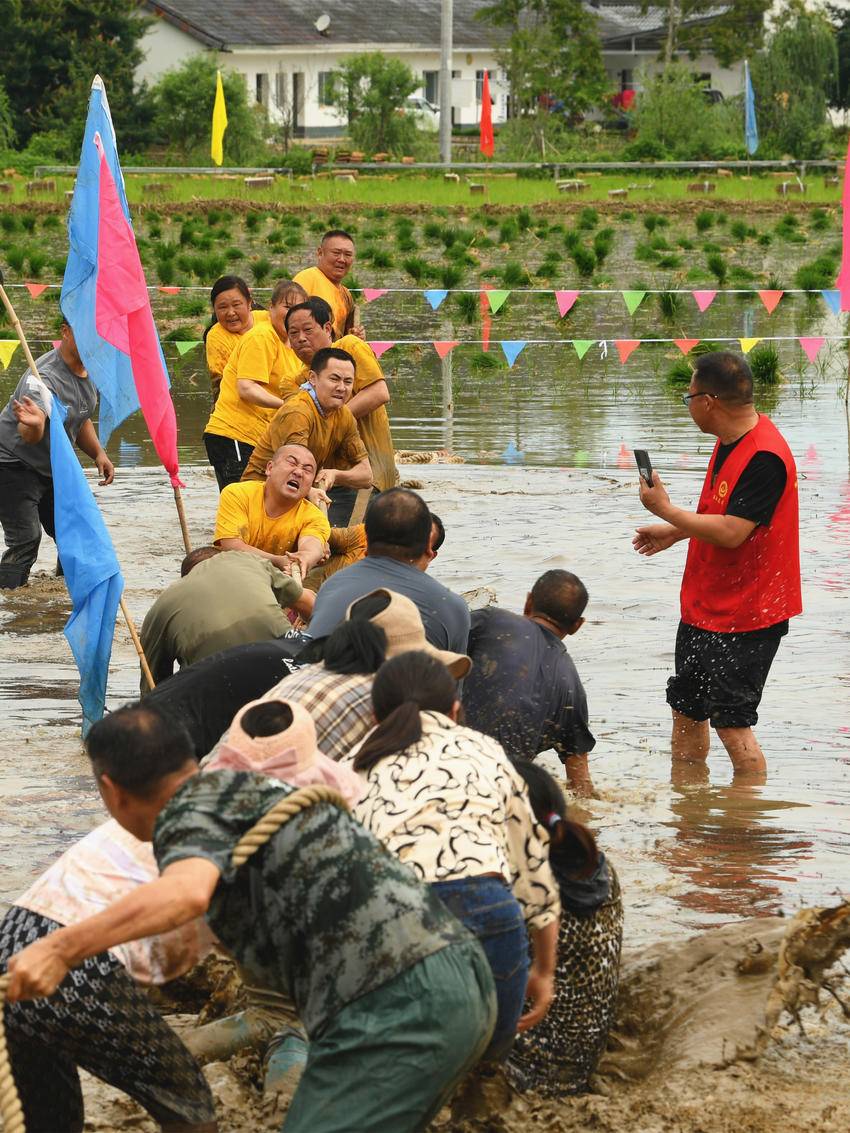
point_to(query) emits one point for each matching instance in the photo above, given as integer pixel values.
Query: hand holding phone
(644, 466)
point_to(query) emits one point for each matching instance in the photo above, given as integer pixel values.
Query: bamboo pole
(181, 515)
(19, 330)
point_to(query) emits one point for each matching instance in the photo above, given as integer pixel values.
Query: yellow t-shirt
(242, 515)
(374, 428)
(221, 343)
(315, 282)
(259, 356)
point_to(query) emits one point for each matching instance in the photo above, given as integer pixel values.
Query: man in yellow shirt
(334, 260)
(309, 329)
(318, 418)
(274, 519)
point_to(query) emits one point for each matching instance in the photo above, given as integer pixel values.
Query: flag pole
(22, 338)
(181, 515)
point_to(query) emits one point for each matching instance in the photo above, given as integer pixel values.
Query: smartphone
(644, 465)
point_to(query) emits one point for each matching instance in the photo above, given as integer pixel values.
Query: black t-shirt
(759, 488)
(207, 695)
(523, 688)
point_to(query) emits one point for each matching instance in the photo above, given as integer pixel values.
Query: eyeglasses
(686, 397)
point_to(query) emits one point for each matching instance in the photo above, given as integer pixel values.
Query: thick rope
(10, 1103)
(280, 813)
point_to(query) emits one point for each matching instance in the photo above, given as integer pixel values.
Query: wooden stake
(19, 330)
(131, 626)
(181, 515)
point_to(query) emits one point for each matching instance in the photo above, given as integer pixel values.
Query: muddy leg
(690, 739)
(745, 752)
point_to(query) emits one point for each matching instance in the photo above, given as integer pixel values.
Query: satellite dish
(323, 23)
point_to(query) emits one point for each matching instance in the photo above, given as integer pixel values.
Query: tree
(553, 60)
(673, 119)
(730, 32)
(7, 128)
(840, 19)
(183, 105)
(51, 51)
(370, 91)
(795, 81)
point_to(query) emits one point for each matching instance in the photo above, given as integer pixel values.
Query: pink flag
(379, 348)
(486, 321)
(704, 299)
(686, 345)
(843, 281)
(444, 348)
(370, 293)
(35, 289)
(123, 318)
(811, 346)
(770, 299)
(626, 347)
(566, 299)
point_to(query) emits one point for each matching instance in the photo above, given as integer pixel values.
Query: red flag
(123, 317)
(487, 144)
(843, 281)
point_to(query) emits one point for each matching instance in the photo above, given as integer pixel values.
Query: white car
(427, 111)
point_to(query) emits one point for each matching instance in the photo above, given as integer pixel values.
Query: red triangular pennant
(36, 289)
(626, 347)
(770, 299)
(444, 348)
(379, 348)
(686, 345)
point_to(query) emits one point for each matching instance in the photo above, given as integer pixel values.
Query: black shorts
(720, 676)
(228, 457)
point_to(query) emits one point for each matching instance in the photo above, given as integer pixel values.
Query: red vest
(731, 590)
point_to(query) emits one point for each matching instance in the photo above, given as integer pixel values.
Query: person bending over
(384, 979)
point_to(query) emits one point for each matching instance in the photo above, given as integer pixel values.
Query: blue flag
(751, 130)
(91, 569)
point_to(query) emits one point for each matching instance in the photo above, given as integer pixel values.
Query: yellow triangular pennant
(8, 346)
(748, 343)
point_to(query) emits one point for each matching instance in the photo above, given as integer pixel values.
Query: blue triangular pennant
(832, 300)
(435, 298)
(513, 350)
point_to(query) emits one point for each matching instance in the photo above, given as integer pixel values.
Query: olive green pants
(388, 1061)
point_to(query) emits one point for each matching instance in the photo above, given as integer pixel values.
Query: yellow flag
(8, 346)
(748, 343)
(219, 122)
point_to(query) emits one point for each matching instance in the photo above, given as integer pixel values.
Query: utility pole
(446, 38)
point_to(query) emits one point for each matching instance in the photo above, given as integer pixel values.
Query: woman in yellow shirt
(257, 377)
(233, 315)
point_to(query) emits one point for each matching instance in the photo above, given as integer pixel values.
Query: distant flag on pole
(843, 281)
(487, 144)
(88, 560)
(219, 122)
(751, 132)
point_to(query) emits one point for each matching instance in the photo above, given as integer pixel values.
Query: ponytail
(571, 845)
(401, 729)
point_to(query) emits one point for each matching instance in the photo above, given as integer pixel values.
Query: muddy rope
(260, 833)
(10, 1103)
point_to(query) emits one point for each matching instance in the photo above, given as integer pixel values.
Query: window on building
(281, 90)
(324, 87)
(431, 86)
(261, 89)
(479, 85)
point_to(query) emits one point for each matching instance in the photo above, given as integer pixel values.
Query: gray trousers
(26, 505)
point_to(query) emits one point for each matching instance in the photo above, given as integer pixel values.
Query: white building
(285, 58)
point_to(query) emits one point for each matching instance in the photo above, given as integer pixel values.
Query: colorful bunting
(36, 289)
(496, 299)
(8, 346)
(56, 343)
(686, 345)
(748, 343)
(582, 345)
(380, 348)
(704, 299)
(832, 300)
(626, 347)
(435, 297)
(811, 347)
(770, 299)
(444, 348)
(633, 299)
(565, 299)
(512, 350)
(370, 293)
(169, 290)
(185, 347)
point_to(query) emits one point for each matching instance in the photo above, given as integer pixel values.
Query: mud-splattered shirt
(323, 913)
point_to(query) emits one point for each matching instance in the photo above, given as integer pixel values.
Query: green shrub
(482, 361)
(432, 231)
(670, 303)
(685, 244)
(680, 372)
(51, 221)
(588, 219)
(764, 239)
(416, 268)
(764, 364)
(508, 231)
(740, 274)
(36, 261)
(16, 257)
(524, 219)
(572, 240)
(670, 263)
(165, 271)
(381, 258)
(645, 252)
(717, 266)
(406, 244)
(468, 306)
(451, 276)
(739, 229)
(704, 220)
(261, 268)
(585, 261)
(817, 275)
(650, 222)
(603, 242)
(8, 222)
(514, 275)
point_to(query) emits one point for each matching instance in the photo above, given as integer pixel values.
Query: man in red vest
(742, 575)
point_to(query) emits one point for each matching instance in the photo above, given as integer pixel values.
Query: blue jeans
(490, 911)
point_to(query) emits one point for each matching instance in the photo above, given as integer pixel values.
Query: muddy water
(548, 482)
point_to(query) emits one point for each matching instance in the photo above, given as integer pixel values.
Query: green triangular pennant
(185, 347)
(582, 345)
(496, 299)
(633, 299)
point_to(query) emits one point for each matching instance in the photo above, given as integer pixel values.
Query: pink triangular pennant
(626, 347)
(566, 299)
(704, 299)
(57, 342)
(36, 289)
(379, 348)
(370, 293)
(770, 299)
(686, 345)
(169, 290)
(444, 348)
(811, 347)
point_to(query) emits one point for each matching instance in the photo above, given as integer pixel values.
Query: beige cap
(402, 624)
